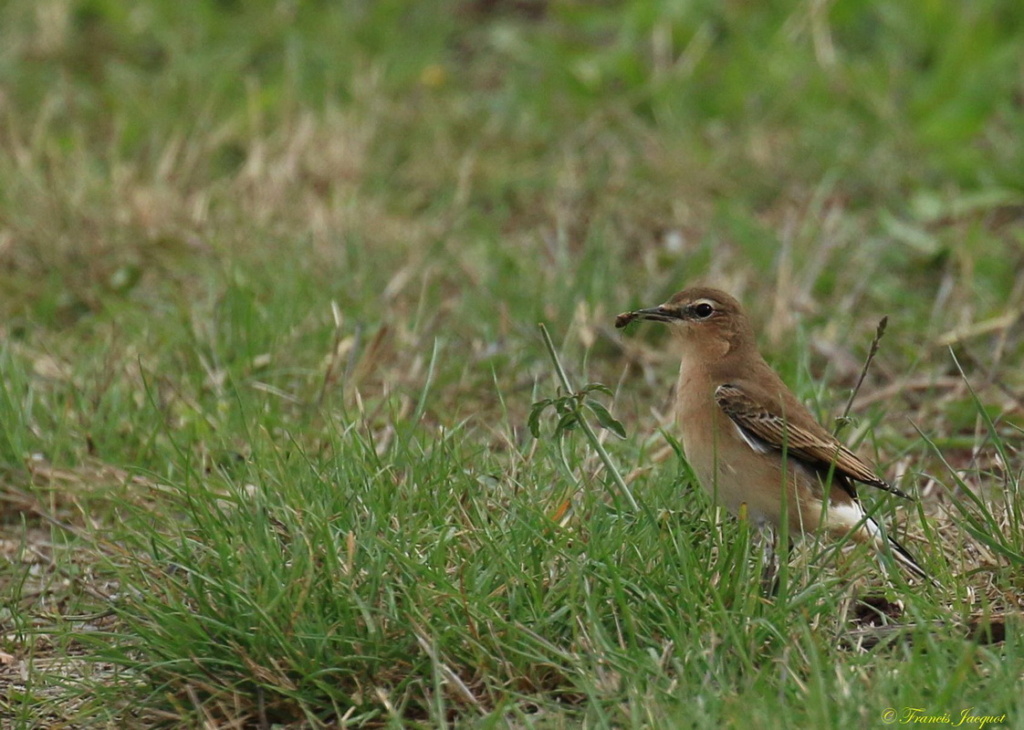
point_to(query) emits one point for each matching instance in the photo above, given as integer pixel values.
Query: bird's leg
(769, 560)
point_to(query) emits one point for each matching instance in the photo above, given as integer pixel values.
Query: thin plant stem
(879, 332)
(587, 429)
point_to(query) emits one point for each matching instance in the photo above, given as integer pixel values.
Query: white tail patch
(850, 515)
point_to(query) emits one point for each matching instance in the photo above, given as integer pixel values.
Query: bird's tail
(902, 555)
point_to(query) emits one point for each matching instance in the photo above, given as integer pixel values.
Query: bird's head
(706, 319)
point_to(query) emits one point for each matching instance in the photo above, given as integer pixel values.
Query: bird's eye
(703, 310)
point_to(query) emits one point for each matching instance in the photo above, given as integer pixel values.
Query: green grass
(270, 280)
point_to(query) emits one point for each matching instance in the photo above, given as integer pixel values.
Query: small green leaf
(567, 422)
(535, 413)
(605, 418)
(589, 387)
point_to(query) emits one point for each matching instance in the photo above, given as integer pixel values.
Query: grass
(270, 280)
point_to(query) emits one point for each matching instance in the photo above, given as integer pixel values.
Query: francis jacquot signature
(967, 717)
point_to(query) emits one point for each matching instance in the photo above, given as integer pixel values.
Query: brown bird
(745, 434)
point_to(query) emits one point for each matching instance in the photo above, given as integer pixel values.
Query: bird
(746, 435)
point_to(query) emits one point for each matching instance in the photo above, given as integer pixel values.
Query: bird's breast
(700, 424)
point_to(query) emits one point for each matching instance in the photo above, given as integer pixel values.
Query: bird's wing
(765, 429)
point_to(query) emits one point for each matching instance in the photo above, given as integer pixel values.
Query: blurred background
(222, 171)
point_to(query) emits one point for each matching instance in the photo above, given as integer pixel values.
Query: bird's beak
(655, 314)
